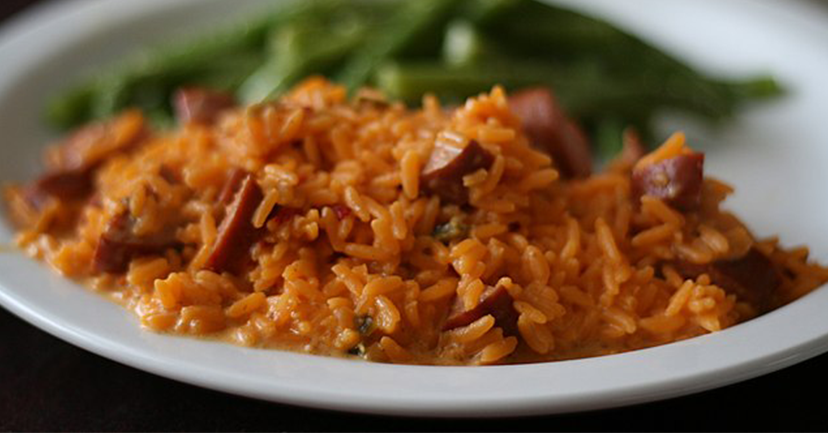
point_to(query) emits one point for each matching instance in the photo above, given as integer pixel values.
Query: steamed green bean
(605, 77)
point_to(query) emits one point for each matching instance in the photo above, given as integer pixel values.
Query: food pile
(355, 226)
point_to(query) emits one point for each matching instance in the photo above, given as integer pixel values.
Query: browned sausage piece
(65, 185)
(549, 129)
(71, 153)
(677, 181)
(71, 164)
(752, 277)
(443, 174)
(118, 245)
(236, 233)
(495, 301)
(199, 105)
(92, 144)
(231, 186)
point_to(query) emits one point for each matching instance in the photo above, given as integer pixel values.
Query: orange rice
(587, 264)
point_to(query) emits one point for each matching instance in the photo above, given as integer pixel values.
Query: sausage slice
(495, 301)
(752, 277)
(236, 233)
(228, 192)
(677, 180)
(549, 130)
(118, 245)
(71, 164)
(443, 174)
(65, 185)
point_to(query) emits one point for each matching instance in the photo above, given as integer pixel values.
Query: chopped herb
(366, 325)
(358, 350)
(452, 230)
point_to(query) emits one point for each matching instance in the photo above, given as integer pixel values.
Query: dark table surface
(46, 384)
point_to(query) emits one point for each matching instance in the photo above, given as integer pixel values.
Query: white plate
(776, 156)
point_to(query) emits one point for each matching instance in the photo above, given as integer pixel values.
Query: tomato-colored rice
(355, 270)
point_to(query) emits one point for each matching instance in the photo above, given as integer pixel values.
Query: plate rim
(27, 24)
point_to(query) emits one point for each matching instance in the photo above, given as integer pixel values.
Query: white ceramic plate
(776, 156)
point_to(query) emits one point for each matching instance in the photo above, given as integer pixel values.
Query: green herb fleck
(452, 230)
(358, 350)
(366, 325)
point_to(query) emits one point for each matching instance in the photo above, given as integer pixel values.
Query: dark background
(46, 384)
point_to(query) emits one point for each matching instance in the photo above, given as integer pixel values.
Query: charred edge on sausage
(549, 130)
(677, 181)
(443, 174)
(752, 278)
(495, 301)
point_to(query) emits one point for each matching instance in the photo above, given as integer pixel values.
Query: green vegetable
(316, 43)
(605, 77)
(465, 45)
(453, 230)
(366, 325)
(609, 137)
(401, 31)
(72, 108)
(486, 12)
(583, 93)
(358, 350)
(147, 81)
(301, 50)
(537, 30)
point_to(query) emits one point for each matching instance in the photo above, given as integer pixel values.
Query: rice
(347, 261)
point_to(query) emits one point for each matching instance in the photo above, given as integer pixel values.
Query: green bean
(603, 76)
(225, 61)
(609, 137)
(163, 68)
(150, 88)
(583, 89)
(107, 93)
(582, 94)
(72, 108)
(532, 30)
(464, 45)
(486, 12)
(397, 35)
(300, 50)
(540, 30)
(761, 87)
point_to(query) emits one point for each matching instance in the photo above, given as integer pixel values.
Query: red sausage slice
(752, 277)
(118, 245)
(71, 164)
(236, 234)
(549, 130)
(495, 301)
(443, 174)
(677, 181)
